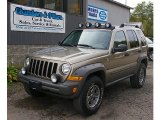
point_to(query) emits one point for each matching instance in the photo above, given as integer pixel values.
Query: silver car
(150, 49)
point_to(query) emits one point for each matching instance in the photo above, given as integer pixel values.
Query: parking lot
(120, 102)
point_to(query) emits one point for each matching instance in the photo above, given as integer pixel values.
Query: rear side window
(141, 37)
(133, 40)
(120, 38)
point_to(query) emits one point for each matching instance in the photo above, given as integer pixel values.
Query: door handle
(126, 54)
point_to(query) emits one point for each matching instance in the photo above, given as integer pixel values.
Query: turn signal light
(74, 90)
(74, 78)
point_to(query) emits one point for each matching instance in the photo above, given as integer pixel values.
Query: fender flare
(85, 71)
(140, 59)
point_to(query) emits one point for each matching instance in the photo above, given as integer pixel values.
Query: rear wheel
(138, 80)
(90, 98)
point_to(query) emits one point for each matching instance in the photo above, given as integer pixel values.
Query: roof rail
(131, 25)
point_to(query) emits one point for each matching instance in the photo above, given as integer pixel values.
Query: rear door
(134, 49)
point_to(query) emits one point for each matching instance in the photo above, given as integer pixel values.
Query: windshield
(94, 39)
(148, 41)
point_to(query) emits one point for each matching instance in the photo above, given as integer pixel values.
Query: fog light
(97, 25)
(80, 25)
(108, 25)
(23, 71)
(54, 78)
(88, 24)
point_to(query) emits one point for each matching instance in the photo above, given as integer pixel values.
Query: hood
(69, 54)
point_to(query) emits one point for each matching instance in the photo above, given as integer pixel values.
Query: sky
(132, 3)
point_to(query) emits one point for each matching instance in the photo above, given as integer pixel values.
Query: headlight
(66, 68)
(27, 62)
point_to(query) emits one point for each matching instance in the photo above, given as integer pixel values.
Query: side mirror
(120, 48)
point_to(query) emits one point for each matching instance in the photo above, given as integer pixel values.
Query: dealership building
(37, 24)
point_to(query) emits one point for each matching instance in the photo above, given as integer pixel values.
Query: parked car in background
(151, 38)
(150, 49)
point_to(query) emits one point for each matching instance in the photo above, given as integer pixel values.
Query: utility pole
(125, 2)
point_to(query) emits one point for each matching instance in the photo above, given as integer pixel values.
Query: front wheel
(138, 80)
(90, 98)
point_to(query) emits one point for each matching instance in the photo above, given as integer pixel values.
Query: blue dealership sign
(97, 14)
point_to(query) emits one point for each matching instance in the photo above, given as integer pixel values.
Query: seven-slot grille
(42, 68)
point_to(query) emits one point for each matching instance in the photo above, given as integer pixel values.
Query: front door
(119, 64)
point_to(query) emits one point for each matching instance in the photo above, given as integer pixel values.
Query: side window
(132, 39)
(141, 37)
(119, 39)
(136, 39)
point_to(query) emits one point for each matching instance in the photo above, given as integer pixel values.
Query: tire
(33, 93)
(150, 55)
(138, 80)
(82, 104)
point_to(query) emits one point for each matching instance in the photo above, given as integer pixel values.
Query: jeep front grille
(42, 68)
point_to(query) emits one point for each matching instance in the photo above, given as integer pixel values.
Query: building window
(74, 7)
(69, 6)
(56, 5)
(32, 3)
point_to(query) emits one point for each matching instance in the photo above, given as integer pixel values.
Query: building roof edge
(120, 4)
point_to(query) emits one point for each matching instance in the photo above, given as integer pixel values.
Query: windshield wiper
(67, 44)
(84, 45)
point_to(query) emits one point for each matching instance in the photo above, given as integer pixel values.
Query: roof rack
(96, 25)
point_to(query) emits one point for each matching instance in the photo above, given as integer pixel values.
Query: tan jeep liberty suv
(87, 60)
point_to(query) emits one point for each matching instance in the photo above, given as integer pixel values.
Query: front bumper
(59, 89)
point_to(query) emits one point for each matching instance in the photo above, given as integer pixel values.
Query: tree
(144, 13)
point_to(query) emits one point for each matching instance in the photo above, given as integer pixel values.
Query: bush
(12, 74)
